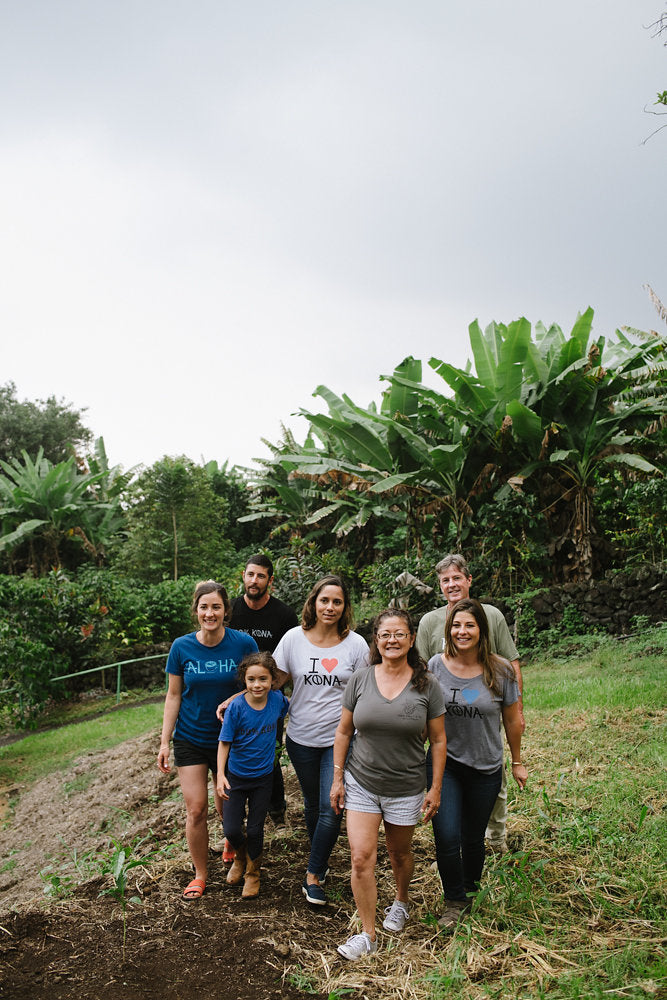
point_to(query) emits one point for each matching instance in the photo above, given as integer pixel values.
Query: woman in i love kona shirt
(319, 657)
(480, 689)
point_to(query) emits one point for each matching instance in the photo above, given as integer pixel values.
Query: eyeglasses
(392, 635)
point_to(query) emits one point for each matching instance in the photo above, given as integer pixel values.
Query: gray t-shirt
(387, 753)
(319, 677)
(472, 716)
(431, 633)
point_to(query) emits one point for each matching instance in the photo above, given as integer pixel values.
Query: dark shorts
(186, 754)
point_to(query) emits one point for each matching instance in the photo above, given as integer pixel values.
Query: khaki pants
(495, 830)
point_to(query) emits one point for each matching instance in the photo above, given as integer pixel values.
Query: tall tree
(50, 424)
(233, 485)
(176, 524)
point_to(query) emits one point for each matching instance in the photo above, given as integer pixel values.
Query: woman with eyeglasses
(380, 776)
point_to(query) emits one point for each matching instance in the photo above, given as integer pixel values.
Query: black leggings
(257, 793)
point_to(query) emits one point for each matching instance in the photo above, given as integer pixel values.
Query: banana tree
(102, 522)
(404, 461)
(279, 494)
(579, 415)
(541, 405)
(40, 505)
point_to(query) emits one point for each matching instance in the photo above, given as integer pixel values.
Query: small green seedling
(117, 866)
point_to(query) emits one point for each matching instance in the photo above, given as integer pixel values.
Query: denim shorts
(402, 810)
(186, 754)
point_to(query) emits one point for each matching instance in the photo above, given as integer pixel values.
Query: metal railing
(108, 666)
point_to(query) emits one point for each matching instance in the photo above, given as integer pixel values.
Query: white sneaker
(397, 914)
(357, 946)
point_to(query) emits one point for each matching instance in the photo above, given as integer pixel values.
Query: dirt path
(218, 946)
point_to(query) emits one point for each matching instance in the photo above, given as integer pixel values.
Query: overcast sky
(210, 208)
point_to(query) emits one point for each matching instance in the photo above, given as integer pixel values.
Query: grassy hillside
(577, 909)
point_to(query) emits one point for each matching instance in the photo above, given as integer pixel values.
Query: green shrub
(302, 565)
(633, 516)
(527, 631)
(25, 676)
(379, 588)
(507, 545)
(166, 608)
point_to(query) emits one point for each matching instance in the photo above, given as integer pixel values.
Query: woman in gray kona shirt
(479, 689)
(390, 706)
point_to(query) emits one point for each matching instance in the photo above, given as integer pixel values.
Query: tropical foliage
(539, 416)
(176, 524)
(50, 512)
(543, 459)
(62, 623)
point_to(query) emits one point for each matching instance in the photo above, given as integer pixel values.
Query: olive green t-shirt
(431, 633)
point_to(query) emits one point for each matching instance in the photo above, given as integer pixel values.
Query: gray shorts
(402, 810)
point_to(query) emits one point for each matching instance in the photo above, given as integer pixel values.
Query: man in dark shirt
(266, 619)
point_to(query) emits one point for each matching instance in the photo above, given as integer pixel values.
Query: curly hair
(210, 587)
(419, 668)
(494, 668)
(309, 614)
(262, 659)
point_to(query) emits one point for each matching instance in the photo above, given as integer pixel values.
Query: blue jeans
(468, 797)
(314, 769)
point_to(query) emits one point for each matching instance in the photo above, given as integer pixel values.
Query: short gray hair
(453, 559)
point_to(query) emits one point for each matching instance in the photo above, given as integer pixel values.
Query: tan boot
(235, 873)
(251, 878)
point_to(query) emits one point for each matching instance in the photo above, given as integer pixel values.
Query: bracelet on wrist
(517, 763)
(337, 767)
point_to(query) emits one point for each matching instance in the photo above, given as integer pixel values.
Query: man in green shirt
(455, 580)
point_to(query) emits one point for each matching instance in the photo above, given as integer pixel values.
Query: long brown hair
(419, 669)
(309, 614)
(495, 670)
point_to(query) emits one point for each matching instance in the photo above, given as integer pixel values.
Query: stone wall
(610, 603)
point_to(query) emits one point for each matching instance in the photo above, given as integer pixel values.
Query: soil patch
(219, 946)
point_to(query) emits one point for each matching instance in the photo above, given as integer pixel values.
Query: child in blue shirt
(246, 751)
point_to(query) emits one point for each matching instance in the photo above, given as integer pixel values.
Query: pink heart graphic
(329, 665)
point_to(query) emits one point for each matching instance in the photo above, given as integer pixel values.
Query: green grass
(40, 754)
(85, 706)
(577, 909)
(587, 878)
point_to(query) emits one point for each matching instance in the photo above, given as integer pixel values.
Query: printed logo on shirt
(466, 707)
(412, 710)
(263, 633)
(255, 730)
(322, 680)
(203, 667)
